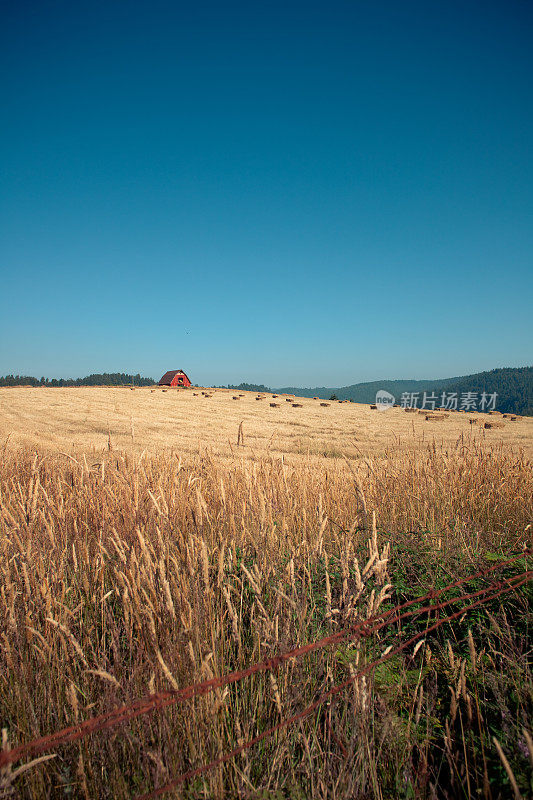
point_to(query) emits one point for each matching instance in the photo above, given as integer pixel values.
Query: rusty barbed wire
(161, 700)
(331, 693)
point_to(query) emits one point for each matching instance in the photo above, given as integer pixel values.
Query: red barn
(175, 377)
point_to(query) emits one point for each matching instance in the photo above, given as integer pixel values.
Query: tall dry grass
(128, 575)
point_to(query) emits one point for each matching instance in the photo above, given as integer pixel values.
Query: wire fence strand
(161, 700)
(331, 693)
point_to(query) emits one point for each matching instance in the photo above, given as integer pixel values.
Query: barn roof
(167, 377)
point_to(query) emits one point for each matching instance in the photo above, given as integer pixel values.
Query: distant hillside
(366, 392)
(513, 385)
(105, 379)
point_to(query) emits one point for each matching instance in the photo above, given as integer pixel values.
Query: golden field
(143, 549)
(90, 420)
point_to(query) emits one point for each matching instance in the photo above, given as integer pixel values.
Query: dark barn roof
(166, 380)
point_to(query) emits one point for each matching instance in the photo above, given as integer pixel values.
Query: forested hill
(513, 385)
(105, 379)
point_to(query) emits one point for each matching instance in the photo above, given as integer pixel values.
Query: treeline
(249, 387)
(104, 379)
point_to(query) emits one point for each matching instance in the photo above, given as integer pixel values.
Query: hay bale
(373, 408)
(434, 417)
(235, 397)
(315, 398)
(274, 405)
(288, 399)
(410, 410)
(324, 404)
(494, 424)
(195, 394)
(297, 405)
(274, 395)
(164, 390)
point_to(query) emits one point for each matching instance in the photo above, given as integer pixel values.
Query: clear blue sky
(290, 193)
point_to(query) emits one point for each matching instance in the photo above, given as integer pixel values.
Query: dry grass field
(143, 549)
(90, 420)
